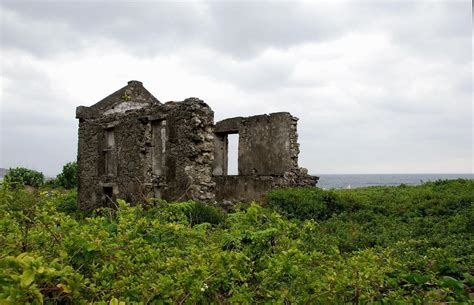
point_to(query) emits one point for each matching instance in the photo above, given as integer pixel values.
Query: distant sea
(362, 180)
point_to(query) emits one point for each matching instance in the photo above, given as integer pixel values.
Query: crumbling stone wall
(267, 157)
(190, 154)
(133, 147)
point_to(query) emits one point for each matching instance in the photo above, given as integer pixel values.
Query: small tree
(20, 176)
(68, 177)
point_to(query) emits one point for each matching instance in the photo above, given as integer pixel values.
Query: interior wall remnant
(267, 157)
(221, 145)
(265, 145)
(238, 188)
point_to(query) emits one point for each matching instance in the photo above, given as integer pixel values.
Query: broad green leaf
(27, 277)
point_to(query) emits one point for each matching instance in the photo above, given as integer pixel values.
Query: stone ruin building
(134, 147)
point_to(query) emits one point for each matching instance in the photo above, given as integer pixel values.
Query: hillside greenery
(380, 245)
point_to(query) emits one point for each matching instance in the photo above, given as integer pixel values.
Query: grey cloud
(432, 29)
(386, 143)
(258, 74)
(245, 28)
(34, 132)
(36, 36)
(44, 149)
(342, 131)
(60, 26)
(26, 88)
(240, 29)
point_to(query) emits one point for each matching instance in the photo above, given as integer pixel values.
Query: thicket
(68, 176)
(20, 176)
(380, 245)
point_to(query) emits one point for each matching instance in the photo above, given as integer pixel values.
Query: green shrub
(68, 204)
(305, 203)
(68, 177)
(202, 213)
(198, 212)
(20, 176)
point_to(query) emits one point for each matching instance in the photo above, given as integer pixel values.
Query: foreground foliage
(380, 244)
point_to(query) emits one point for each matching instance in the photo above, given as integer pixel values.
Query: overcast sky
(379, 87)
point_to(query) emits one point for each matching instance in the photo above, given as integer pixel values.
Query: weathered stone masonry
(134, 147)
(267, 156)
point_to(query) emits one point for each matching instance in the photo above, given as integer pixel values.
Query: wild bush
(305, 203)
(20, 176)
(68, 177)
(197, 212)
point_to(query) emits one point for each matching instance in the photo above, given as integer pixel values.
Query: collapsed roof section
(132, 96)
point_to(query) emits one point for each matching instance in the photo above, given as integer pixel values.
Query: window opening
(233, 154)
(109, 152)
(159, 147)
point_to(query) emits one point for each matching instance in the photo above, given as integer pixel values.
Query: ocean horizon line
(363, 174)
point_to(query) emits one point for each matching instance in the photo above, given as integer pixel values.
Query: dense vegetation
(373, 245)
(68, 177)
(21, 176)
